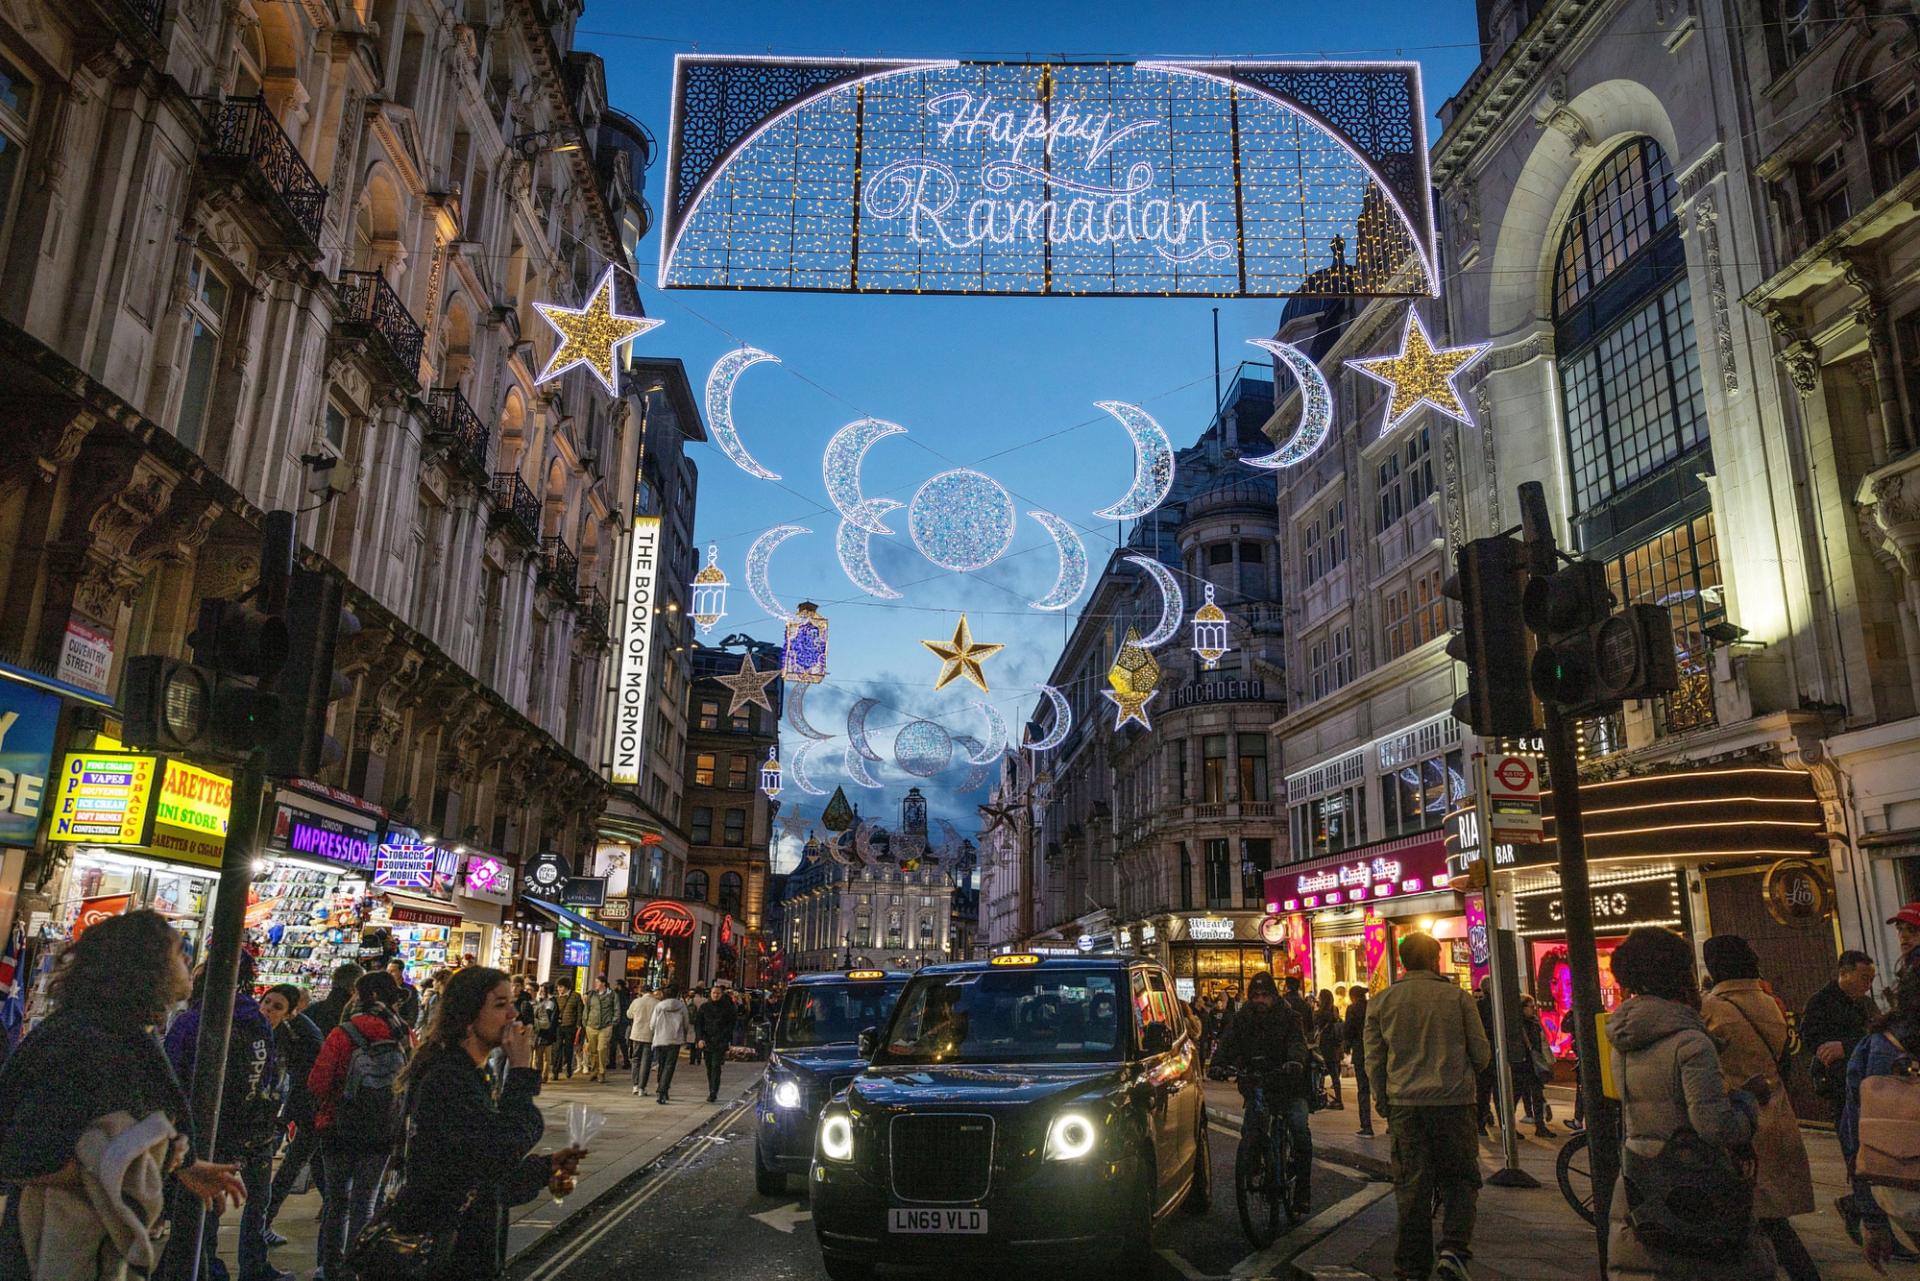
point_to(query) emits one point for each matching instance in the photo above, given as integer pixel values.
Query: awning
(415, 909)
(564, 916)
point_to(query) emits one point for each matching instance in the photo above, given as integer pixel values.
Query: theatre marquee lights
(1230, 179)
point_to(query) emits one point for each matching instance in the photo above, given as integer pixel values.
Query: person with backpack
(546, 1031)
(1683, 1205)
(356, 1111)
(1746, 1024)
(246, 1133)
(327, 1012)
(468, 1152)
(1882, 1109)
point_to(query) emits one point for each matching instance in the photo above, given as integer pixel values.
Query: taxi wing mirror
(869, 1041)
(1157, 1038)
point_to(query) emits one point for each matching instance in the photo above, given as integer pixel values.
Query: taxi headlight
(1070, 1137)
(836, 1138)
(786, 1094)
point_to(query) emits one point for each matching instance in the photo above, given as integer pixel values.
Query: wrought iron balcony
(515, 507)
(371, 311)
(560, 566)
(248, 145)
(594, 608)
(456, 426)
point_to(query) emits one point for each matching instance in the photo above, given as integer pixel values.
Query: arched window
(1623, 331)
(694, 888)
(730, 887)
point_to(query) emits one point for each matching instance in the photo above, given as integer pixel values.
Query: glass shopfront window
(1331, 823)
(1419, 794)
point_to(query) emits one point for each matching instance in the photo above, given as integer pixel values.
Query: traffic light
(1591, 657)
(1492, 640)
(307, 682)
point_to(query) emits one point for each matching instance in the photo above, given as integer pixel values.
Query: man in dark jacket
(408, 1006)
(713, 1026)
(1836, 1019)
(1356, 1029)
(571, 1011)
(298, 1040)
(1267, 1044)
(326, 1014)
(522, 1002)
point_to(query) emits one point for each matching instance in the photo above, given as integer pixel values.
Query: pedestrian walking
(355, 1110)
(1753, 1040)
(1837, 1018)
(1425, 1046)
(327, 1012)
(716, 1021)
(92, 1115)
(570, 1009)
(1684, 1130)
(246, 1133)
(1484, 1083)
(1886, 1050)
(1330, 1040)
(407, 1003)
(546, 1031)
(672, 1026)
(1355, 1027)
(1266, 1033)
(298, 1040)
(621, 1057)
(1538, 1061)
(640, 1027)
(695, 1000)
(522, 1002)
(468, 1154)
(600, 1012)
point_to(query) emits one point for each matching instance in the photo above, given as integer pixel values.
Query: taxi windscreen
(1008, 1016)
(817, 1014)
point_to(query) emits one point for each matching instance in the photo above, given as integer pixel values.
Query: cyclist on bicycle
(1267, 1046)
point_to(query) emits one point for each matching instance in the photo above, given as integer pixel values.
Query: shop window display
(304, 922)
(1553, 989)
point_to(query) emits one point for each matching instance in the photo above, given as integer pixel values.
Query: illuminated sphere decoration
(922, 748)
(961, 520)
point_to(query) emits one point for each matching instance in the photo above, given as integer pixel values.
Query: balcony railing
(147, 13)
(562, 566)
(594, 608)
(461, 430)
(515, 507)
(249, 143)
(370, 309)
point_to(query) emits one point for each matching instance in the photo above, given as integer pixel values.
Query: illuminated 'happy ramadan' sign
(1144, 178)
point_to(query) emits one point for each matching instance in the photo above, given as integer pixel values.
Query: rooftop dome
(1248, 493)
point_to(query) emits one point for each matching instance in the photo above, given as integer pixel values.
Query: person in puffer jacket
(1668, 1071)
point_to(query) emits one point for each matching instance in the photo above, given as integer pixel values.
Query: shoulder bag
(383, 1252)
(1692, 1198)
(1889, 1153)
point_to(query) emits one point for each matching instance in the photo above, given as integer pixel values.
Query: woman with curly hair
(90, 1088)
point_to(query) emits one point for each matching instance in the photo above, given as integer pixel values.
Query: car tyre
(767, 1182)
(841, 1267)
(1136, 1259)
(1200, 1190)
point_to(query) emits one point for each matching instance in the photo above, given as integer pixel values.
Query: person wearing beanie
(1751, 1035)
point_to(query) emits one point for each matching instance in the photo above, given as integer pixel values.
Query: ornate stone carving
(1454, 507)
(1801, 357)
(1889, 502)
(45, 437)
(1489, 457)
(1706, 220)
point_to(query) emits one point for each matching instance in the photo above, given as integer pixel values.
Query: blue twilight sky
(1007, 385)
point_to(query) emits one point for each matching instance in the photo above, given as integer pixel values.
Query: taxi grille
(942, 1156)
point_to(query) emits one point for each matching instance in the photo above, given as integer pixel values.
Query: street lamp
(848, 939)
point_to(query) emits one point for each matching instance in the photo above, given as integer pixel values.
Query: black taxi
(1024, 1107)
(816, 1052)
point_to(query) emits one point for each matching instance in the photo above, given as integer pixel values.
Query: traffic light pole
(1576, 896)
(1509, 1175)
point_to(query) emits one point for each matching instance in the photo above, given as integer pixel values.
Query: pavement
(1523, 1234)
(638, 1132)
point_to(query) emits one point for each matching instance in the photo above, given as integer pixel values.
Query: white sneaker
(1451, 1267)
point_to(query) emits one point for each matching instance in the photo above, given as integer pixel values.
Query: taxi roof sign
(866, 974)
(1016, 958)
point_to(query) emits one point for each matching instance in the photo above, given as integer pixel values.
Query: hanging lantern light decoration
(770, 773)
(1210, 632)
(804, 660)
(710, 593)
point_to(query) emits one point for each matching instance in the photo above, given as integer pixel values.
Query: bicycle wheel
(1574, 1170)
(1255, 1192)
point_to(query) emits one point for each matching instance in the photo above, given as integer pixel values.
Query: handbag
(382, 1252)
(1691, 1198)
(1889, 1154)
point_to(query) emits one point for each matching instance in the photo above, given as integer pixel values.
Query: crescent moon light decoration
(797, 769)
(857, 771)
(996, 734)
(949, 847)
(852, 542)
(1173, 605)
(726, 372)
(863, 842)
(758, 556)
(1152, 462)
(1062, 720)
(857, 730)
(797, 713)
(840, 469)
(1072, 579)
(1316, 407)
(976, 775)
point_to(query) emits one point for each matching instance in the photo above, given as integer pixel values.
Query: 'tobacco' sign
(636, 652)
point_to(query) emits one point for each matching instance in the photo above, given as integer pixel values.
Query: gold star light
(1421, 374)
(591, 335)
(1135, 678)
(749, 685)
(961, 657)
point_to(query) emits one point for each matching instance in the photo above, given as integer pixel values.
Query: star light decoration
(749, 685)
(591, 335)
(1135, 678)
(1210, 632)
(797, 825)
(961, 657)
(1421, 374)
(710, 593)
(804, 660)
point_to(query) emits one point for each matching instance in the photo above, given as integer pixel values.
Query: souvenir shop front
(485, 892)
(414, 918)
(1209, 954)
(309, 904)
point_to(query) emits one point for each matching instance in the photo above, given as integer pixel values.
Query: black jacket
(1832, 1015)
(1356, 1030)
(326, 1014)
(1267, 1038)
(299, 1040)
(714, 1022)
(461, 1142)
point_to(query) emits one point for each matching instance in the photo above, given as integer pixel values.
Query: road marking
(567, 1255)
(1304, 1236)
(783, 1218)
(1185, 1269)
